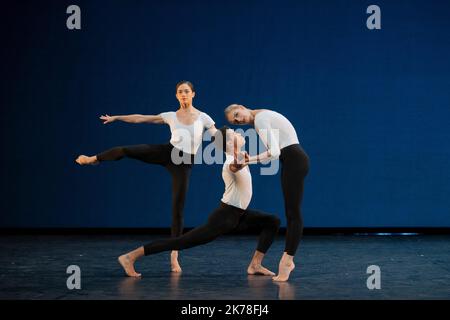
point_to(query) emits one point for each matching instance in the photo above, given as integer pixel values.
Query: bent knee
(120, 151)
(276, 221)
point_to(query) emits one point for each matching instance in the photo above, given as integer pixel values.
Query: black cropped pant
(160, 154)
(223, 220)
(294, 168)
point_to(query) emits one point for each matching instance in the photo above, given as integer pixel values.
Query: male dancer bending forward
(231, 215)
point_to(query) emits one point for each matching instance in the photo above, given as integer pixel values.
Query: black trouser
(294, 168)
(223, 220)
(160, 154)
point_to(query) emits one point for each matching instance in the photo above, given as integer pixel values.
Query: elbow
(274, 153)
(137, 118)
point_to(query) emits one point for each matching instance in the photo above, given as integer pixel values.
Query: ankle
(287, 261)
(255, 263)
(130, 257)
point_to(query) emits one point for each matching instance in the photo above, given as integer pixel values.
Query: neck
(252, 118)
(186, 106)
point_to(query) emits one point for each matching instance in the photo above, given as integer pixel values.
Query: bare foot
(174, 265)
(84, 160)
(284, 270)
(128, 265)
(258, 269)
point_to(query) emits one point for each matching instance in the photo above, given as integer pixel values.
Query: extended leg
(153, 154)
(221, 221)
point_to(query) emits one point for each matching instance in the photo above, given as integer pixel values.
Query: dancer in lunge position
(282, 144)
(187, 125)
(231, 214)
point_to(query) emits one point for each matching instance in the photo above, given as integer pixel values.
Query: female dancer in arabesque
(187, 125)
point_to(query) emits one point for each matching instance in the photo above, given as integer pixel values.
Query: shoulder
(168, 114)
(206, 119)
(262, 118)
(266, 113)
(205, 116)
(168, 117)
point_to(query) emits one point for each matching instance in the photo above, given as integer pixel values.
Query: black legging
(160, 154)
(294, 168)
(223, 220)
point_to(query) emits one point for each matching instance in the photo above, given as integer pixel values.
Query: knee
(293, 212)
(275, 222)
(179, 192)
(178, 199)
(177, 209)
(295, 219)
(120, 151)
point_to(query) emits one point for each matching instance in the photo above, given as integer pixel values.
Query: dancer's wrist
(253, 159)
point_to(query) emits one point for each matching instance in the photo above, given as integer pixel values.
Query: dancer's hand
(246, 158)
(108, 119)
(240, 161)
(241, 158)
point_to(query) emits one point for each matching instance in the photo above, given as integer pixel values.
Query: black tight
(160, 154)
(294, 168)
(223, 220)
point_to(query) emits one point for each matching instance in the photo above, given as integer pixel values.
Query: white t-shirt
(187, 138)
(275, 130)
(238, 185)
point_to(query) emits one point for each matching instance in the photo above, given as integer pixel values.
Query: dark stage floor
(328, 267)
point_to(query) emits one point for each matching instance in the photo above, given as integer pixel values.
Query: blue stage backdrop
(371, 107)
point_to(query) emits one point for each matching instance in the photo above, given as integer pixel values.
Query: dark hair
(220, 138)
(185, 82)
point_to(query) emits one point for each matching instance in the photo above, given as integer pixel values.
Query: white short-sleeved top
(187, 138)
(266, 122)
(238, 185)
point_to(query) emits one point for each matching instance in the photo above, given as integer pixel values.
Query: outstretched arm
(133, 118)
